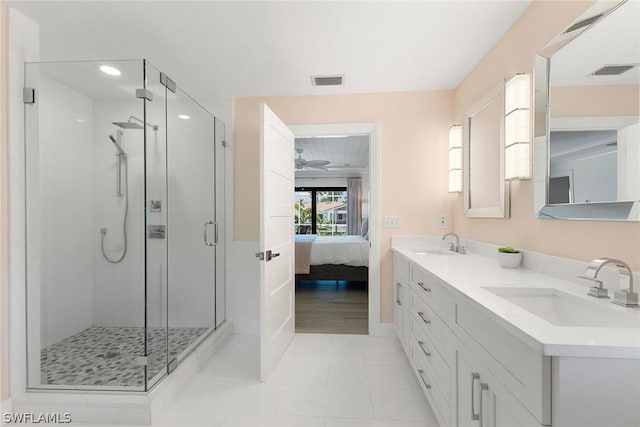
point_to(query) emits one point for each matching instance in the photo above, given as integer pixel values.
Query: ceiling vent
(613, 70)
(327, 80)
(583, 23)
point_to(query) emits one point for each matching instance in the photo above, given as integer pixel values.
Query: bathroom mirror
(587, 118)
(485, 192)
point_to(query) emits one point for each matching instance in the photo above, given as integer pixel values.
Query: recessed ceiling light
(80, 120)
(112, 71)
(183, 117)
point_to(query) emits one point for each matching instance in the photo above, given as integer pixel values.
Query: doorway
(337, 297)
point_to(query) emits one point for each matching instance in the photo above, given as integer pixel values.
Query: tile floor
(322, 380)
(107, 356)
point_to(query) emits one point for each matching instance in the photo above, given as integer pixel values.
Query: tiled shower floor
(107, 355)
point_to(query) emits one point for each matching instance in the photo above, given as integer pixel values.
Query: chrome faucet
(455, 248)
(623, 297)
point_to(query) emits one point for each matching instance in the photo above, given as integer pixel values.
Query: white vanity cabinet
(522, 367)
(483, 400)
(431, 349)
(450, 340)
(483, 362)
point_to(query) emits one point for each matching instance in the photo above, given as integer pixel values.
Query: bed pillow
(364, 230)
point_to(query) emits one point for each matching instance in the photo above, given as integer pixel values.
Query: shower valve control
(155, 205)
(156, 231)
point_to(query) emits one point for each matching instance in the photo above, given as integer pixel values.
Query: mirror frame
(501, 210)
(601, 211)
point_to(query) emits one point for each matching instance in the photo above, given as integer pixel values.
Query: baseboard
(6, 407)
(383, 330)
(173, 386)
(87, 408)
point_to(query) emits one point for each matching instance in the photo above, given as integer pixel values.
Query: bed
(332, 258)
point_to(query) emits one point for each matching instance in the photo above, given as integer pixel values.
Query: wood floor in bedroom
(332, 307)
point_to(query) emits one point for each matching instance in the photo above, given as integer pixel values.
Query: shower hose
(124, 221)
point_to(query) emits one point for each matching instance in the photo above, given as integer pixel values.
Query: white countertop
(470, 273)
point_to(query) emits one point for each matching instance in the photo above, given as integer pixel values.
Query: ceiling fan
(312, 164)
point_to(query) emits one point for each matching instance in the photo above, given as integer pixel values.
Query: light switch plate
(443, 221)
(391, 222)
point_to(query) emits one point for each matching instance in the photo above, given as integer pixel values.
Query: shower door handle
(206, 233)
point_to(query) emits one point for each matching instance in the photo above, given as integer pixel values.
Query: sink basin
(431, 251)
(563, 309)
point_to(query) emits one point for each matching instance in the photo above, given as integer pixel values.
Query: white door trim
(373, 130)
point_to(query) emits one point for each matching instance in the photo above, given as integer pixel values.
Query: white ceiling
(567, 145)
(613, 41)
(221, 49)
(348, 156)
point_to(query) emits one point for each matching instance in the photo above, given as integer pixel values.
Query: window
(321, 210)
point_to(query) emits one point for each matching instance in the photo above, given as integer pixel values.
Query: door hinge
(28, 95)
(260, 255)
(144, 94)
(167, 82)
(224, 143)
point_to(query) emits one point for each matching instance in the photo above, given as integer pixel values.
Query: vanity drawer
(424, 347)
(429, 323)
(401, 267)
(523, 369)
(426, 377)
(434, 292)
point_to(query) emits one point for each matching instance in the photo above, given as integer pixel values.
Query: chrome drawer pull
(426, 353)
(423, 287)
(398, 302)
(421, 314)
(483, 387)
(427, 385)
(474, 416)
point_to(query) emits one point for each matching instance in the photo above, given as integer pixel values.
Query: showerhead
(117, 144)
(133, 125)
(128, 125)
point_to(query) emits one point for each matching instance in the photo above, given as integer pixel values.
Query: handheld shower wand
(117, 144)
(122, 160)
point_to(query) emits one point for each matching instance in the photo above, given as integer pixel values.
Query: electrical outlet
(391, 222)
(443, 221)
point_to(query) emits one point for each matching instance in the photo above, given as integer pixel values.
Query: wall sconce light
(455, 159)
(517, 127)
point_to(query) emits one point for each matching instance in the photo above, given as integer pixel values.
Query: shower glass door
(85, 254)
(192, 231)
(124, 224)
(220, 191)
(156, 212)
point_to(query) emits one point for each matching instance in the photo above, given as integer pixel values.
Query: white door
(277, 315)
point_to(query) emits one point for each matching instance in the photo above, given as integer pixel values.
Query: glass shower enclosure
(125, 224)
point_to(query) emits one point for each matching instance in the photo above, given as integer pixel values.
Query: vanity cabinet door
(523, 369)
(483, 401)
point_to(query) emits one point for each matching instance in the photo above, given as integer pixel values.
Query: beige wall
(587, 101)
(582, 240)
(414, 138)
(4, 225)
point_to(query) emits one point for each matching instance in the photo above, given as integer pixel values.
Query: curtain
(354, 205)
